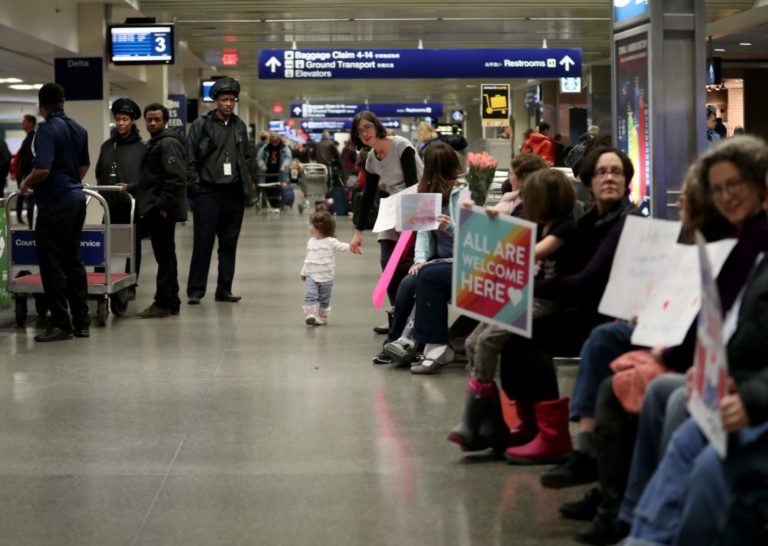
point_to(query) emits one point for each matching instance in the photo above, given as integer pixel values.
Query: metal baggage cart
(316, 182)
(269, 195)
(101, 242)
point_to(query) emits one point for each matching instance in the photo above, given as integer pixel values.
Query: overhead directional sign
(344, 125)
(326, 64)
(432, 109)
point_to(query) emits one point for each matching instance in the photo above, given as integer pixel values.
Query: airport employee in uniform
(219, 168)
(61, 160)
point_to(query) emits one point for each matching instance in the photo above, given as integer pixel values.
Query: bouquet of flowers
(481, 168)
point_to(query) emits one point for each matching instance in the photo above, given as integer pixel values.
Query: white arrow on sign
(566, 62)
(273, 63)
(297, 110)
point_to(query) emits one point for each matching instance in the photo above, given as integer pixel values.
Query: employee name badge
(227, 169)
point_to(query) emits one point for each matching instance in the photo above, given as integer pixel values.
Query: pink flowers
(483, 160)
(481, 168)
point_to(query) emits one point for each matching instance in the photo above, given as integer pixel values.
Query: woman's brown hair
(441, 170)
(548, 195)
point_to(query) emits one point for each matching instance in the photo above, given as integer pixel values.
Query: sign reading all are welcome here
(493, 269)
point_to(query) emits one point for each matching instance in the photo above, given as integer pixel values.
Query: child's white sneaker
(310, 315)
(322, 316)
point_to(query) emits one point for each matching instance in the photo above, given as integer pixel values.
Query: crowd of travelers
(658, 479)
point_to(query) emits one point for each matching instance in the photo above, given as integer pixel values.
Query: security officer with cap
(219, 184)
(119, 164)
(61, 160)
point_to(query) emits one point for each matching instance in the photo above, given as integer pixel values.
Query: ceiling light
(25, 86)
(719, 49)
(10, 80)
(745, 43)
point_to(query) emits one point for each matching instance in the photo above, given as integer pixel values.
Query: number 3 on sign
(160, 45)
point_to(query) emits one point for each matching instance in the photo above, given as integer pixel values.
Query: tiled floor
(235, 424)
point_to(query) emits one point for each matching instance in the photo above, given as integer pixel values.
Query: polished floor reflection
(235, 424)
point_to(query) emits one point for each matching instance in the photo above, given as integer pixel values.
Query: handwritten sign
(387, 217)
(493, 269)
(646, 248)
(710, 364)
(418, 211)
(675, 297)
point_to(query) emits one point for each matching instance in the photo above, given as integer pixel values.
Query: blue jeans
(686, 500)
(650, 443)
(318, 293)
(433, 293)
(605, 343)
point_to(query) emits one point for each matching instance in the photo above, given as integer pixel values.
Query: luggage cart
(269, 193)
(100, 243)
(316, 182)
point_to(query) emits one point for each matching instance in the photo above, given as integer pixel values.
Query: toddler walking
(319, 267)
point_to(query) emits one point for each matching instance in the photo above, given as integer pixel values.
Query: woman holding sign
(528, 374)
(392, 166)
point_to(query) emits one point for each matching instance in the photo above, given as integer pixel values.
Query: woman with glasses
(392, 165)
(528, 375)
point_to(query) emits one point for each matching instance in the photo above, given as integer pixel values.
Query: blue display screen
(624, 10)
(141, 44)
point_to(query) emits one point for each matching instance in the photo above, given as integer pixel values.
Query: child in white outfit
(319, 267)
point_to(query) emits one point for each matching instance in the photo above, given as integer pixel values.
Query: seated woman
(527, 370)
(549, 200)
(733, 173)
(433, 247)
(609, 341)
(405, 350)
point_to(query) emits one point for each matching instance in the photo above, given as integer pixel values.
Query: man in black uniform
(219, 169)
(25, 159)
(163, 202)
(61, 161)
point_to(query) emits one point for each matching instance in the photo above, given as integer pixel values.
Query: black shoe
(603, 530)
(228, 297)
(82, 332)
(194, 300)
(578, 469)
(382, 358)
(381, 329)
(584, 509)
(54, 334)
(175, 311)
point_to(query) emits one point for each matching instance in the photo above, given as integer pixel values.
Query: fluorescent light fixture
(745, 43)
(25, 86)
(10, 80)
(303, 20)
(719, 49)
(568, 18)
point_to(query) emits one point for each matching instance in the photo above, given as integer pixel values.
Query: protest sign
(493, 269)
(418, 211)
(710, 372)
(387, 217)
(675, 297)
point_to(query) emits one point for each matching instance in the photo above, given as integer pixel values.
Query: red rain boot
(552, 443)
(526, 429)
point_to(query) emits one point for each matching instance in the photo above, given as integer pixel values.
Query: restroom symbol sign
(551, 63)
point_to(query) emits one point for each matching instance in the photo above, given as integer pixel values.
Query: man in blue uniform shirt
(61, 160)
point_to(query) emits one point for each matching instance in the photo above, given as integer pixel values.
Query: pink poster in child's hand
(380, 290)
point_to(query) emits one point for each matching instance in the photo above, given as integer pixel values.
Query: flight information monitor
(141, 44)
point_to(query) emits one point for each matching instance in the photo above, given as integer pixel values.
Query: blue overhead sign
(433, 109)
(326, 64)
(342, 125)
(624, 10)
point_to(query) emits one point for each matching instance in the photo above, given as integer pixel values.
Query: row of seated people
(724, 195)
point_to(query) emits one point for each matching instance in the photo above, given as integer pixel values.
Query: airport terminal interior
(236, 423)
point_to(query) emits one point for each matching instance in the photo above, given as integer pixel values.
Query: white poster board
(710, 376)
(419, 211)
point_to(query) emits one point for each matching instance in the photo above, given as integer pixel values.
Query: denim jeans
(318, 293)
(605, 343)
(649, 445)
(686, 500)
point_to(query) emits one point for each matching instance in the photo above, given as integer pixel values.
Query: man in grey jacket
(219, 178)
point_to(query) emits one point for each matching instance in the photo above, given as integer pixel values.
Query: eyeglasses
(602, 173)
(365, 129)
(731, 188)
